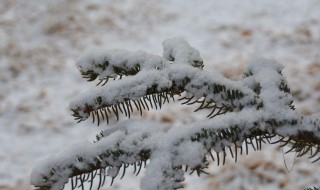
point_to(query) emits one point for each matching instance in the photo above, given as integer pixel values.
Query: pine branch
(243, 114)
(155, 87)
(118, 63)
(135, 142)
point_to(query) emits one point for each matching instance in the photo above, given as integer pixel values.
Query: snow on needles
(258, 106)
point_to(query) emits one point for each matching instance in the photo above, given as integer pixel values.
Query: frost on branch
(242, 113)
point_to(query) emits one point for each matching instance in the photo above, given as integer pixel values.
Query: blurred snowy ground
(40, 41)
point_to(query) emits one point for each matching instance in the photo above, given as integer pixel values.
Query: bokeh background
(40, 42)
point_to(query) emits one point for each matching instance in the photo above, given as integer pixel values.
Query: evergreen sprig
(242, 114)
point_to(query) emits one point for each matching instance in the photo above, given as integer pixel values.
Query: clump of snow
(190, 154)
(266, 75)
(179, 51)
(103, 63)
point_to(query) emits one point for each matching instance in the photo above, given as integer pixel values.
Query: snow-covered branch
(243, 113)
